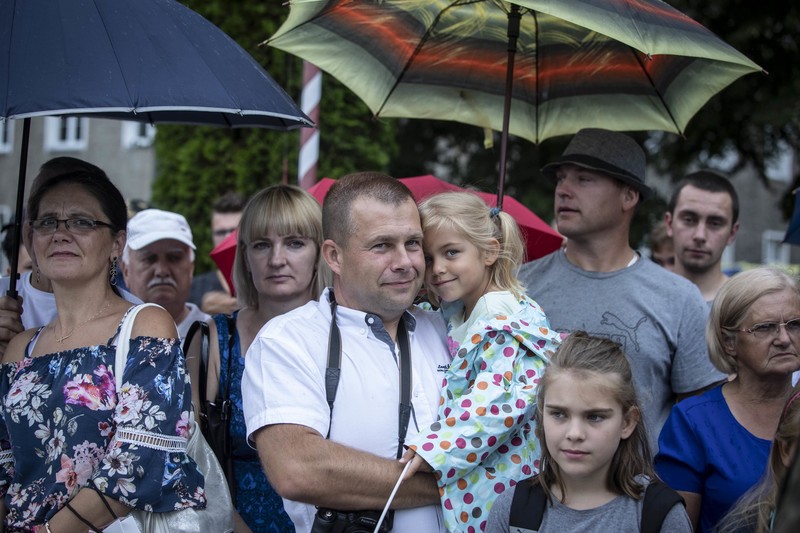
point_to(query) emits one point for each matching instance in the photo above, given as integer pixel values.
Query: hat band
(599, 164)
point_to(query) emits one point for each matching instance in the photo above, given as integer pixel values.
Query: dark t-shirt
(202, 284)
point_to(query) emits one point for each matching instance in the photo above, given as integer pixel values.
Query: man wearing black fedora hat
(599, 284)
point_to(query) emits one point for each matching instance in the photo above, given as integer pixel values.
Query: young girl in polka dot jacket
(483, 442)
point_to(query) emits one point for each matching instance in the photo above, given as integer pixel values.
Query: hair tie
(494, 212)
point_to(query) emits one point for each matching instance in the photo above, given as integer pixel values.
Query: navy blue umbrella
(153, 61)
(793, 231)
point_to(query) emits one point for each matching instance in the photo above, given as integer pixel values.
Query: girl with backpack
(596, 470)
(500, 341)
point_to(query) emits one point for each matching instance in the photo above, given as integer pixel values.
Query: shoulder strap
(527, 507)
(659, 500)
(202, 327)
(124, 341)
(231, 325)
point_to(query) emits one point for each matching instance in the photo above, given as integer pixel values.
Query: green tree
(198, 164)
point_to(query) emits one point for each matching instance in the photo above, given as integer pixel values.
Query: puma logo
(630, 332)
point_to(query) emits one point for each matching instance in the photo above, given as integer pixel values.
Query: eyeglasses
(76, 226)
(771, 329)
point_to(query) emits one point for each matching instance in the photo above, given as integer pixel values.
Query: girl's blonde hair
(286, 210)
(732, 303)
(586, 356)
(754, 509)
(468, 214)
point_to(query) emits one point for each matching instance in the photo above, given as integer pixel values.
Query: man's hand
(10, 320)
(418, 464)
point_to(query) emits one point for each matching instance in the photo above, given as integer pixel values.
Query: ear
(729, 342)
(630, 198)
(490, 255)
(732, 236)
(119, 244)
(629, 422)
(332, 255)
(787, 451)
(668, 221)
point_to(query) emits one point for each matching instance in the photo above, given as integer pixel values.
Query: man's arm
(304, 466)
(10, 320)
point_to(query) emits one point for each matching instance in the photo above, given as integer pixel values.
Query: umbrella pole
(17, 229)
(513, 34)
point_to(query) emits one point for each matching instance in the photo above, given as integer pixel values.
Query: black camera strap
(333, 373)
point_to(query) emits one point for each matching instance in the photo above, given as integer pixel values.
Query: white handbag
(217, 517)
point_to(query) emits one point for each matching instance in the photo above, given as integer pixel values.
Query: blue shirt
(703, 449)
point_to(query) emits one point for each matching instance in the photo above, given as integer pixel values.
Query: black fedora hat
(606, 151)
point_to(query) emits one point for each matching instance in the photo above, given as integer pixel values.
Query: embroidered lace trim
(6, 456)
(155, 441)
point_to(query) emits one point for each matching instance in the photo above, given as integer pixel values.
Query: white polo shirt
(284, 383)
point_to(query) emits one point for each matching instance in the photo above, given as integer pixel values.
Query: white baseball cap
(151, 225)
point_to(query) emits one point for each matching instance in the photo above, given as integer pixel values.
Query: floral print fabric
(483, 442)
(63, 423)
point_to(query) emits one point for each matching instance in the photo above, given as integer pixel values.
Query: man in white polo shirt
(373, 245)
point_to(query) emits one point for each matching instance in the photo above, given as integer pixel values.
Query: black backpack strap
(527, 507)
(659, 500)
(187, 341)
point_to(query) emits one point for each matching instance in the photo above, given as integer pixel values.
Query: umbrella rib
(655, 89)
(417, 50)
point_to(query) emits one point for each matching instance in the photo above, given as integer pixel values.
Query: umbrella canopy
(540, 239)
(625, 65)
(793, 230)
(146, 60)
(152, 61)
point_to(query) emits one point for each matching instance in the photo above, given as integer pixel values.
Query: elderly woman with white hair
(714, 447)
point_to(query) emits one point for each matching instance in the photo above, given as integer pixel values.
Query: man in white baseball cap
(158, 264)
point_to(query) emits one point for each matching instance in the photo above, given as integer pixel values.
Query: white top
(39, 307)
(284, 384)
(194, 314)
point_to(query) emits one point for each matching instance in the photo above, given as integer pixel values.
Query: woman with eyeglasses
(74, 451)
(714, 447)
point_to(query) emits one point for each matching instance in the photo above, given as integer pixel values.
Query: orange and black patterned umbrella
(625, 65)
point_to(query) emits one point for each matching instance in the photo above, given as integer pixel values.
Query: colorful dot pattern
(483, 442)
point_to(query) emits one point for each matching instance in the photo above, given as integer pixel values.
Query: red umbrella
(540, 238)
(223, 255)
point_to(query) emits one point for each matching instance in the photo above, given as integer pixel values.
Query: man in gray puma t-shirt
(599, 284)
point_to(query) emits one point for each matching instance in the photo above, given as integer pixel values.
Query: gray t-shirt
(658, 317)
(622, 514)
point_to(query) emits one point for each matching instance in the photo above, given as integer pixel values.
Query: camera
(332, 521)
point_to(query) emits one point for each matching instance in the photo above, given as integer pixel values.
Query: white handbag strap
(124, 342)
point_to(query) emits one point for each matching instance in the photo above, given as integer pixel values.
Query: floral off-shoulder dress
(483, 442)
(63, 423)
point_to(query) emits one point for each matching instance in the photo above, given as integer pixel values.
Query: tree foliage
(198, 164)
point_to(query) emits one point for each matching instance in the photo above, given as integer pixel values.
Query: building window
(6, 137)
(137, 134)
(66, 133)
(772, 248)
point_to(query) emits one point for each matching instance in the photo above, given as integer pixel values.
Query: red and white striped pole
(309, 137)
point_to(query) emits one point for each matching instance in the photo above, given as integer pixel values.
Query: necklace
(68, 335)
